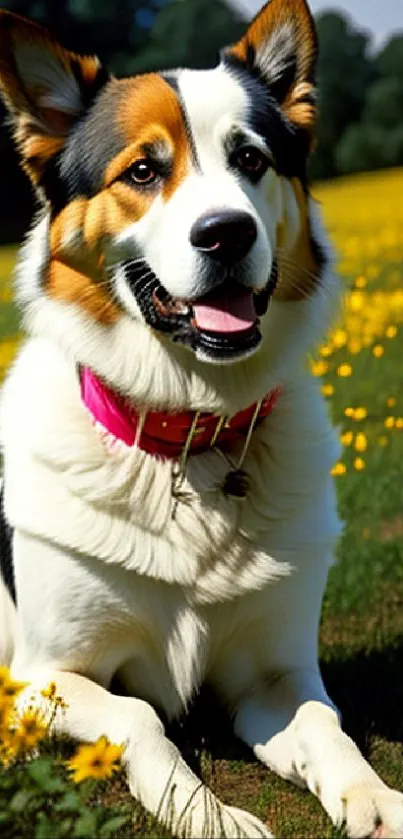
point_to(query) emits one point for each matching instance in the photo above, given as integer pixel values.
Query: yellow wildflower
(50, 691)
(99, 760)
(360, 282)
(360, 413)
(349, 412)
(354, 346)
(339, 338)
(319, 368)
(31, 729)
(378, 350)
(339, 469)
(344, 370)
(391, 331)
(359, 464)
(390, 422)
(327, 390)
(391, 402)
(361, 443)
(356, 301)
(326, 351)
(347, 438)
(8, 686)
(399, 422)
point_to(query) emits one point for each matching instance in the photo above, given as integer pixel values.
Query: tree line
(360, 125)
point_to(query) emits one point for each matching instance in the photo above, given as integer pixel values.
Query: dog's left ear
(46, 89)
(280, 47)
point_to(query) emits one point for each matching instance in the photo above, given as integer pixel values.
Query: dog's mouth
(221, 326)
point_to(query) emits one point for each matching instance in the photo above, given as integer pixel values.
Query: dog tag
(236, 483)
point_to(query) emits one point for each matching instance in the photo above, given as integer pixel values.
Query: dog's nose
(225, 235)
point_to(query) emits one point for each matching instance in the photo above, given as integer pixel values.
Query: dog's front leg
(157, 774)
(294, 729)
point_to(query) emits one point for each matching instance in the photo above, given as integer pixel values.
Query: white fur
(115, 576)
(275, 53)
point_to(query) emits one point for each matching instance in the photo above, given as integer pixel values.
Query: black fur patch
(78, 169)
(6, 553)
(288, 143)
(94, 141)
(171, 78)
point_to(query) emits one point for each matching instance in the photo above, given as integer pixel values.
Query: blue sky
(381, 17)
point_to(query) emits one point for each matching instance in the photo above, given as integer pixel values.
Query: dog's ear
(45, 88)
(280, 47)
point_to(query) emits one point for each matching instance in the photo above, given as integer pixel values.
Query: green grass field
(361, 363)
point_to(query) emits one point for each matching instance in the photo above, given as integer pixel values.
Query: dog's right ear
(45, 87)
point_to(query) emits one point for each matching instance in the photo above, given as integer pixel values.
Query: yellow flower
(339, 338)
(31, 729)
(399, 422)
(6, 716)
(390, 422)
(344, 370)
(99, 760)
(356, 301)
(361, 443)
(8, 686)
(349, 412)
(360, 282)
(391, 402)
(319, 368)
(354, 346)
(391, 331)
(359, 464)
(327, 390)
(326, 351)
(50, 691)
(347, 438)
(339, 469)
(360, 413)
(378, 351)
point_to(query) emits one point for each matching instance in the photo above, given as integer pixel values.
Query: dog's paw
(373, 812)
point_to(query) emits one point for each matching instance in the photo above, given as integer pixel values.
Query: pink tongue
(225, 314)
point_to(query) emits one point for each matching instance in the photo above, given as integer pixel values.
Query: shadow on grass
(366, 686)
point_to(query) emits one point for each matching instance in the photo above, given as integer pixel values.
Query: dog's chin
(221, 327)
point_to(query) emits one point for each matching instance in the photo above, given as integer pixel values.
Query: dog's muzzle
(220, 327)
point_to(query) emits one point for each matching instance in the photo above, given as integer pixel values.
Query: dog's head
(178, 199)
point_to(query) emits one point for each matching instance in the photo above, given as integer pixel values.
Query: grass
(362, 625)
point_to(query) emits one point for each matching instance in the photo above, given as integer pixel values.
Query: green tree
(389, 62)
(384, 103)
(344, 75)
(188, 33)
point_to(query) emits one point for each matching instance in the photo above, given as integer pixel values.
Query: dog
(168, 503)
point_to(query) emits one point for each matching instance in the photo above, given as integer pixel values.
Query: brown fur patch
(149, 111)
(70, 286)
(298, 269)
(76, 271)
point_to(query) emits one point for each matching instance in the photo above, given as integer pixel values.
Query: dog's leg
(157, 774)
(293, 728)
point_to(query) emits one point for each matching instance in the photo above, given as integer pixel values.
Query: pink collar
(165, 434)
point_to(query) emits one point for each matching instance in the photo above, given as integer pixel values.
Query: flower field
(360, 364)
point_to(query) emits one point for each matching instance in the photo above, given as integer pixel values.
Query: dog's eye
(142, 173)
(251, 162)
